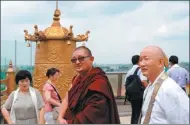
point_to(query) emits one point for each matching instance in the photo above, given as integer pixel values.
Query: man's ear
(162, 62)
(92, 58)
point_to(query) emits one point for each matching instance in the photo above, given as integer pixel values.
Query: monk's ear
(92, 58)
(161, 62)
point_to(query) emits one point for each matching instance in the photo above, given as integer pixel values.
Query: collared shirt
(171, 104)
(139, 73)
(179, 75)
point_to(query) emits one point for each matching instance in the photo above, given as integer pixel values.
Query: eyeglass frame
(80, 59)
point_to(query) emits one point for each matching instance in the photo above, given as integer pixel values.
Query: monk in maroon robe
(90, 99)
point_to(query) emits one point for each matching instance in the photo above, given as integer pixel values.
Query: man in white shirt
(179, 74)
(171, 105)
(136, 100)
(135, 61)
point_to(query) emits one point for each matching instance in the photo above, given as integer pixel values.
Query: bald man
(171, 104)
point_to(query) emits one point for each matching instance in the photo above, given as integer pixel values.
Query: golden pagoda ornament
(54, 49)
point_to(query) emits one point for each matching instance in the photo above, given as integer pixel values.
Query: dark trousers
(136, 109)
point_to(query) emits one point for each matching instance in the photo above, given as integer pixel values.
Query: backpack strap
(135, 73)
(157, 86)
(57, 93)
(137, 69)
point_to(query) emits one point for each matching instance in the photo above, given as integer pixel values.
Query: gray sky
(118, 29)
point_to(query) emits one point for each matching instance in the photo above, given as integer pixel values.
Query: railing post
(11, 78)
(119, 84)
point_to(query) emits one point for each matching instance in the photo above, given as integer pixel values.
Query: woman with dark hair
(25, 104)
(50, 95)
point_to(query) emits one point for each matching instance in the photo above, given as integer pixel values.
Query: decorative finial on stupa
(56, 4)
(57, 13)
(10, 68)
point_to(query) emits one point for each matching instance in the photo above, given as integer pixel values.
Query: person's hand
(10, 122)
(62, 121)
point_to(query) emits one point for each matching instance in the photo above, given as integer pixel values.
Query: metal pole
(15, 53)
(5, 61)
(31, 55)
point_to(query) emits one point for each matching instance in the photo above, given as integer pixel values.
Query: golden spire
(56, 4)
(57, 13)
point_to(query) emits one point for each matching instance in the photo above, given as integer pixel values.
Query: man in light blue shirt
(178, 74)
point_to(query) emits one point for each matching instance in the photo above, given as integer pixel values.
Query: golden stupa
(54, 47)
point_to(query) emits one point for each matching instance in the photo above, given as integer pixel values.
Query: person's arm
(40, 105)
(47, 94)
(50, 99)
(41, 116)
(63, 109)
(6, 115)
(7, 106)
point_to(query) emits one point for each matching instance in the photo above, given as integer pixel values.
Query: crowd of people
(157, 96)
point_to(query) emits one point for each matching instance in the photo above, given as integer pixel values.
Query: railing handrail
(116, 72)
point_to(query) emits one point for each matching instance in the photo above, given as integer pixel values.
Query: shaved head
(87, 50)
(155, 51)
(152, 62)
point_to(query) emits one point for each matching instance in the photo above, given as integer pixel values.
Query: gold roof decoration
(55, 32)
(10, 68)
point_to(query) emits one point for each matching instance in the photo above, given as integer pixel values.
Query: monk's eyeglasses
(80, 59)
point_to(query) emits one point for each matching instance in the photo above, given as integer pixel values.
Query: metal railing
(117, 80)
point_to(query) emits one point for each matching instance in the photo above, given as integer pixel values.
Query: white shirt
(171, 104)
(179, 75)
(139, 73)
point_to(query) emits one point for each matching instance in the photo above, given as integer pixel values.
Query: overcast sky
(119, 29)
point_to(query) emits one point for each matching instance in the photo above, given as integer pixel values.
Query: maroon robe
(91, 100)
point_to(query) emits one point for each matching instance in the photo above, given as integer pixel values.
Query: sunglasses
(80, 59)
